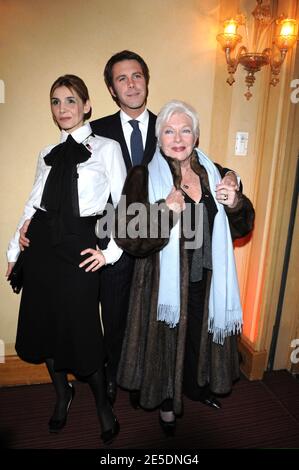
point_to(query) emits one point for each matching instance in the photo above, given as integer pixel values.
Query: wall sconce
(261, 34)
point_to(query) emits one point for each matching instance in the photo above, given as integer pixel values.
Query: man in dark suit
(126, 76)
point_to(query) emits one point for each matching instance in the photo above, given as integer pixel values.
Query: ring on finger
(225, 197)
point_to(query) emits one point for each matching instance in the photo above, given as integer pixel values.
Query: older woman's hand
(227, 194)
(96, 260)
(231, 179)
(175, 200)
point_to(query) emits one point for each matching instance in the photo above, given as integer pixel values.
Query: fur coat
(152, 357)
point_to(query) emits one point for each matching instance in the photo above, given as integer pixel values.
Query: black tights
(62, 389)
(166, 411)
(96, 381)
(97, 384)
(167, 405)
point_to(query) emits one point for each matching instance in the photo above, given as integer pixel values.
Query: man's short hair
(119, 57)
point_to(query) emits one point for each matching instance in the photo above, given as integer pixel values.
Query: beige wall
(40, 40)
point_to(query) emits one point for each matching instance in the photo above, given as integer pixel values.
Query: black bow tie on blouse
(60, 195)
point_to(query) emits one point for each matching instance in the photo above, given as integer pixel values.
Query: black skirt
(59, 311)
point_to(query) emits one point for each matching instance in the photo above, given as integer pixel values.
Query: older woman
(185, 309)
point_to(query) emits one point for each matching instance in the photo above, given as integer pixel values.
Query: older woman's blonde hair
(173, 107)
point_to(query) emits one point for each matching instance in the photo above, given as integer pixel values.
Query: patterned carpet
(260, 414)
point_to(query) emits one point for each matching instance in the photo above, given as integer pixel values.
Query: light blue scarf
(225, 311)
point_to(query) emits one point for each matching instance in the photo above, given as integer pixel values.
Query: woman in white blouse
(59, 321)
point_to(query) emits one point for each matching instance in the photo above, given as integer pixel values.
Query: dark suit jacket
(110, 126)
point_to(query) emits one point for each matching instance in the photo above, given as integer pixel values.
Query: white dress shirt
(128, 129)
(104, 173)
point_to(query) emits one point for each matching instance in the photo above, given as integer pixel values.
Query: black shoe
(134, 397)
(210, 400)
(111, 391)
(168, 427)
(55, 425)
(108, 436)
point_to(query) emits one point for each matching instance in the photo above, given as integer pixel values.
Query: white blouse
(104, 173)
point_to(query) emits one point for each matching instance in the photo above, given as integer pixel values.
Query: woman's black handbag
(16, 276)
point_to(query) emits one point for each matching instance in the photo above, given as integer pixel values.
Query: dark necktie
(136, 143)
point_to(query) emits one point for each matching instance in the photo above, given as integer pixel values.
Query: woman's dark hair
(73, 83)
(119, 57)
